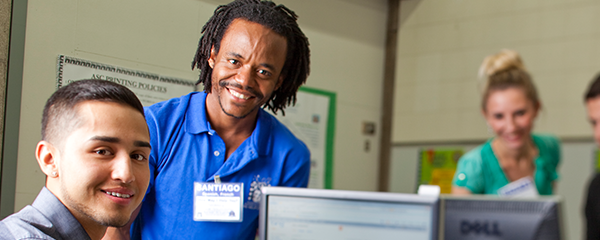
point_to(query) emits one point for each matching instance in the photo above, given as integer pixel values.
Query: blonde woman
(510, 104)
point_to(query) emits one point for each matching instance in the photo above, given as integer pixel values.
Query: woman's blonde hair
(504, 70)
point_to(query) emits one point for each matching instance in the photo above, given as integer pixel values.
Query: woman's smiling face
(510, 114)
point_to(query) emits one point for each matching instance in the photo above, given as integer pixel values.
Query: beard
(224, 85)
(97, 215)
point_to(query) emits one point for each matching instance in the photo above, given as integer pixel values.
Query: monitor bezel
(432, 201)
(558, 200)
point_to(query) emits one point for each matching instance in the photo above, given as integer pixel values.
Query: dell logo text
(484, 227)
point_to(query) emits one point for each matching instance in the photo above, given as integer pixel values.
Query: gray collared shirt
(46, 218)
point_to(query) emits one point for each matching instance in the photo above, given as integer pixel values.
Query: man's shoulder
(5, 232)
(280, 133)
(273, 122)
(172, 105)
(173, 112)
(26, 224)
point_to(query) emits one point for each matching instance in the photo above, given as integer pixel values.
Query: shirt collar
(196, 122)
(195, 117)
(66, 224)
(257, 145)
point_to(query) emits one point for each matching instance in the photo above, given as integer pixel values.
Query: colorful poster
(437, 167)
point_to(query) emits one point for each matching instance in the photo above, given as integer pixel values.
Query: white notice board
(312, 120)
(150, 88)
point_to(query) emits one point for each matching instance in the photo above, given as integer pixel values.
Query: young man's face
(247, 68)
(103, 164)
(593, 112)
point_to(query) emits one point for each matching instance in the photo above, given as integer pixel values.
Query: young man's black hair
(593, 89)
(60, 115)
(276, 17)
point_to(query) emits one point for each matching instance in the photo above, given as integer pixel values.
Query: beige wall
(347, 46)
(442, 44)
(161, 37)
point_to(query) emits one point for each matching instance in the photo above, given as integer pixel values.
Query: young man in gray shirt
(94, 152)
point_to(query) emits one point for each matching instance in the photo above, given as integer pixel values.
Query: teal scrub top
(480, 172)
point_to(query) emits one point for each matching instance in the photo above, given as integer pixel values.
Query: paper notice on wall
(308, 120)
(148, 87)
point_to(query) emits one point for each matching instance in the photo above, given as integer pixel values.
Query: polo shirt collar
(258, 145)
(196, 122)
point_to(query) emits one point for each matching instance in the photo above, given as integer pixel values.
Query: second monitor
(494, 218)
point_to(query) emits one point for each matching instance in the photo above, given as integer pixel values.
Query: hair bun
(503, 60)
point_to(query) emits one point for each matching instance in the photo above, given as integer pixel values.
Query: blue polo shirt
(185, 149)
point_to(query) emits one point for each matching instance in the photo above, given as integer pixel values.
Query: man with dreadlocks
(252, 55)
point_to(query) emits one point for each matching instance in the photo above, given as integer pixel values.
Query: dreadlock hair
(278, 18)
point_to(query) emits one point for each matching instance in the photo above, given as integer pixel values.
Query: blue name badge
(218, 202)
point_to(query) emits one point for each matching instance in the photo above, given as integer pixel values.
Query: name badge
(219, 202)
(524, 187)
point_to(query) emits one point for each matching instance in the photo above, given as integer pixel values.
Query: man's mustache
(234, 84)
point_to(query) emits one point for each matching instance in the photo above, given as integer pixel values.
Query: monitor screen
(293, 213)
(492, 217)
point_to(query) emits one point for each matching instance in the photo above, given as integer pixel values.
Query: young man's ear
(211, 59)
(46, 154)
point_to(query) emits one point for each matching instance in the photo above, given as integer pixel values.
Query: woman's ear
(45, 153)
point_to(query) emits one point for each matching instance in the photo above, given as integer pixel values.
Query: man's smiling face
(102, 165)
(247, 68)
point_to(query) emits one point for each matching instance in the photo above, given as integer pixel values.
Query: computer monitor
(299, 213)
(492, 217)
